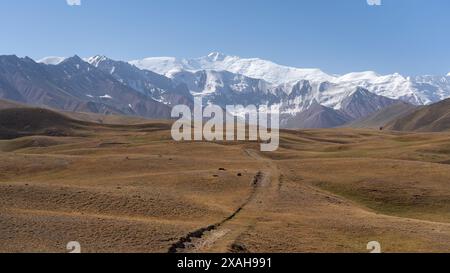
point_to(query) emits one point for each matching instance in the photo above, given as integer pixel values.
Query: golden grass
(130, 188)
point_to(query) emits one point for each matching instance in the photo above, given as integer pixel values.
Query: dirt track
(221, 237)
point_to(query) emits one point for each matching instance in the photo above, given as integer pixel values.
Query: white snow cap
(374, 2)
(73, 2)
(217, 56)
(250, 67)
(95, 60)
(52, 60)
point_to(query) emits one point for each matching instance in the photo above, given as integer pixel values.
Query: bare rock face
(315, 117)
(363, 103)
(151, 84)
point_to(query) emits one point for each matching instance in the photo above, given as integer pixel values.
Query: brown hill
(111, 119)
(432, 118)
(384, 116)
(19, 122)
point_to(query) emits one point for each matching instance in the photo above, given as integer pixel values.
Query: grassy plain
(130, 188)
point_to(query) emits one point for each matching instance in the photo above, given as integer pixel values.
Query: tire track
(192, 241)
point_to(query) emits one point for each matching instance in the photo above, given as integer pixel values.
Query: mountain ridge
(72, 85)
(101, 85)
(395, 86)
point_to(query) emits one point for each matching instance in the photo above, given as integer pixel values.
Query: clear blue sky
(407, 36)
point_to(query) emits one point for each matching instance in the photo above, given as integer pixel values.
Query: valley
(128, 187)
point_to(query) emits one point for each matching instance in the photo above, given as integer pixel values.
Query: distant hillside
(19, 122)
(82, 116)
(384, 116)
(107, 119)
(432, 118)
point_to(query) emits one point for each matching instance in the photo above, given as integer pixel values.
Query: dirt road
(222, 236)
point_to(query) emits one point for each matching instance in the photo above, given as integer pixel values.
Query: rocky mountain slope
(73, 85)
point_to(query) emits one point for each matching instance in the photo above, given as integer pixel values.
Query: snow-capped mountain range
(253, 68)
(416, 90)
(223, 80)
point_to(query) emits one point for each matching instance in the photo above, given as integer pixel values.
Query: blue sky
(407, 36)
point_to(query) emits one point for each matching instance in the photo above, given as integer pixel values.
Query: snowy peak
(216, 56)
(51, 60)
(250, 67)
(160, 65)
(96, 60)
(361, 93)
(358, 76)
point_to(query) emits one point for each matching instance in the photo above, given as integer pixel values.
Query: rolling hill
(20, 122)
(432, 118)
(383, 117)
(131, 188)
